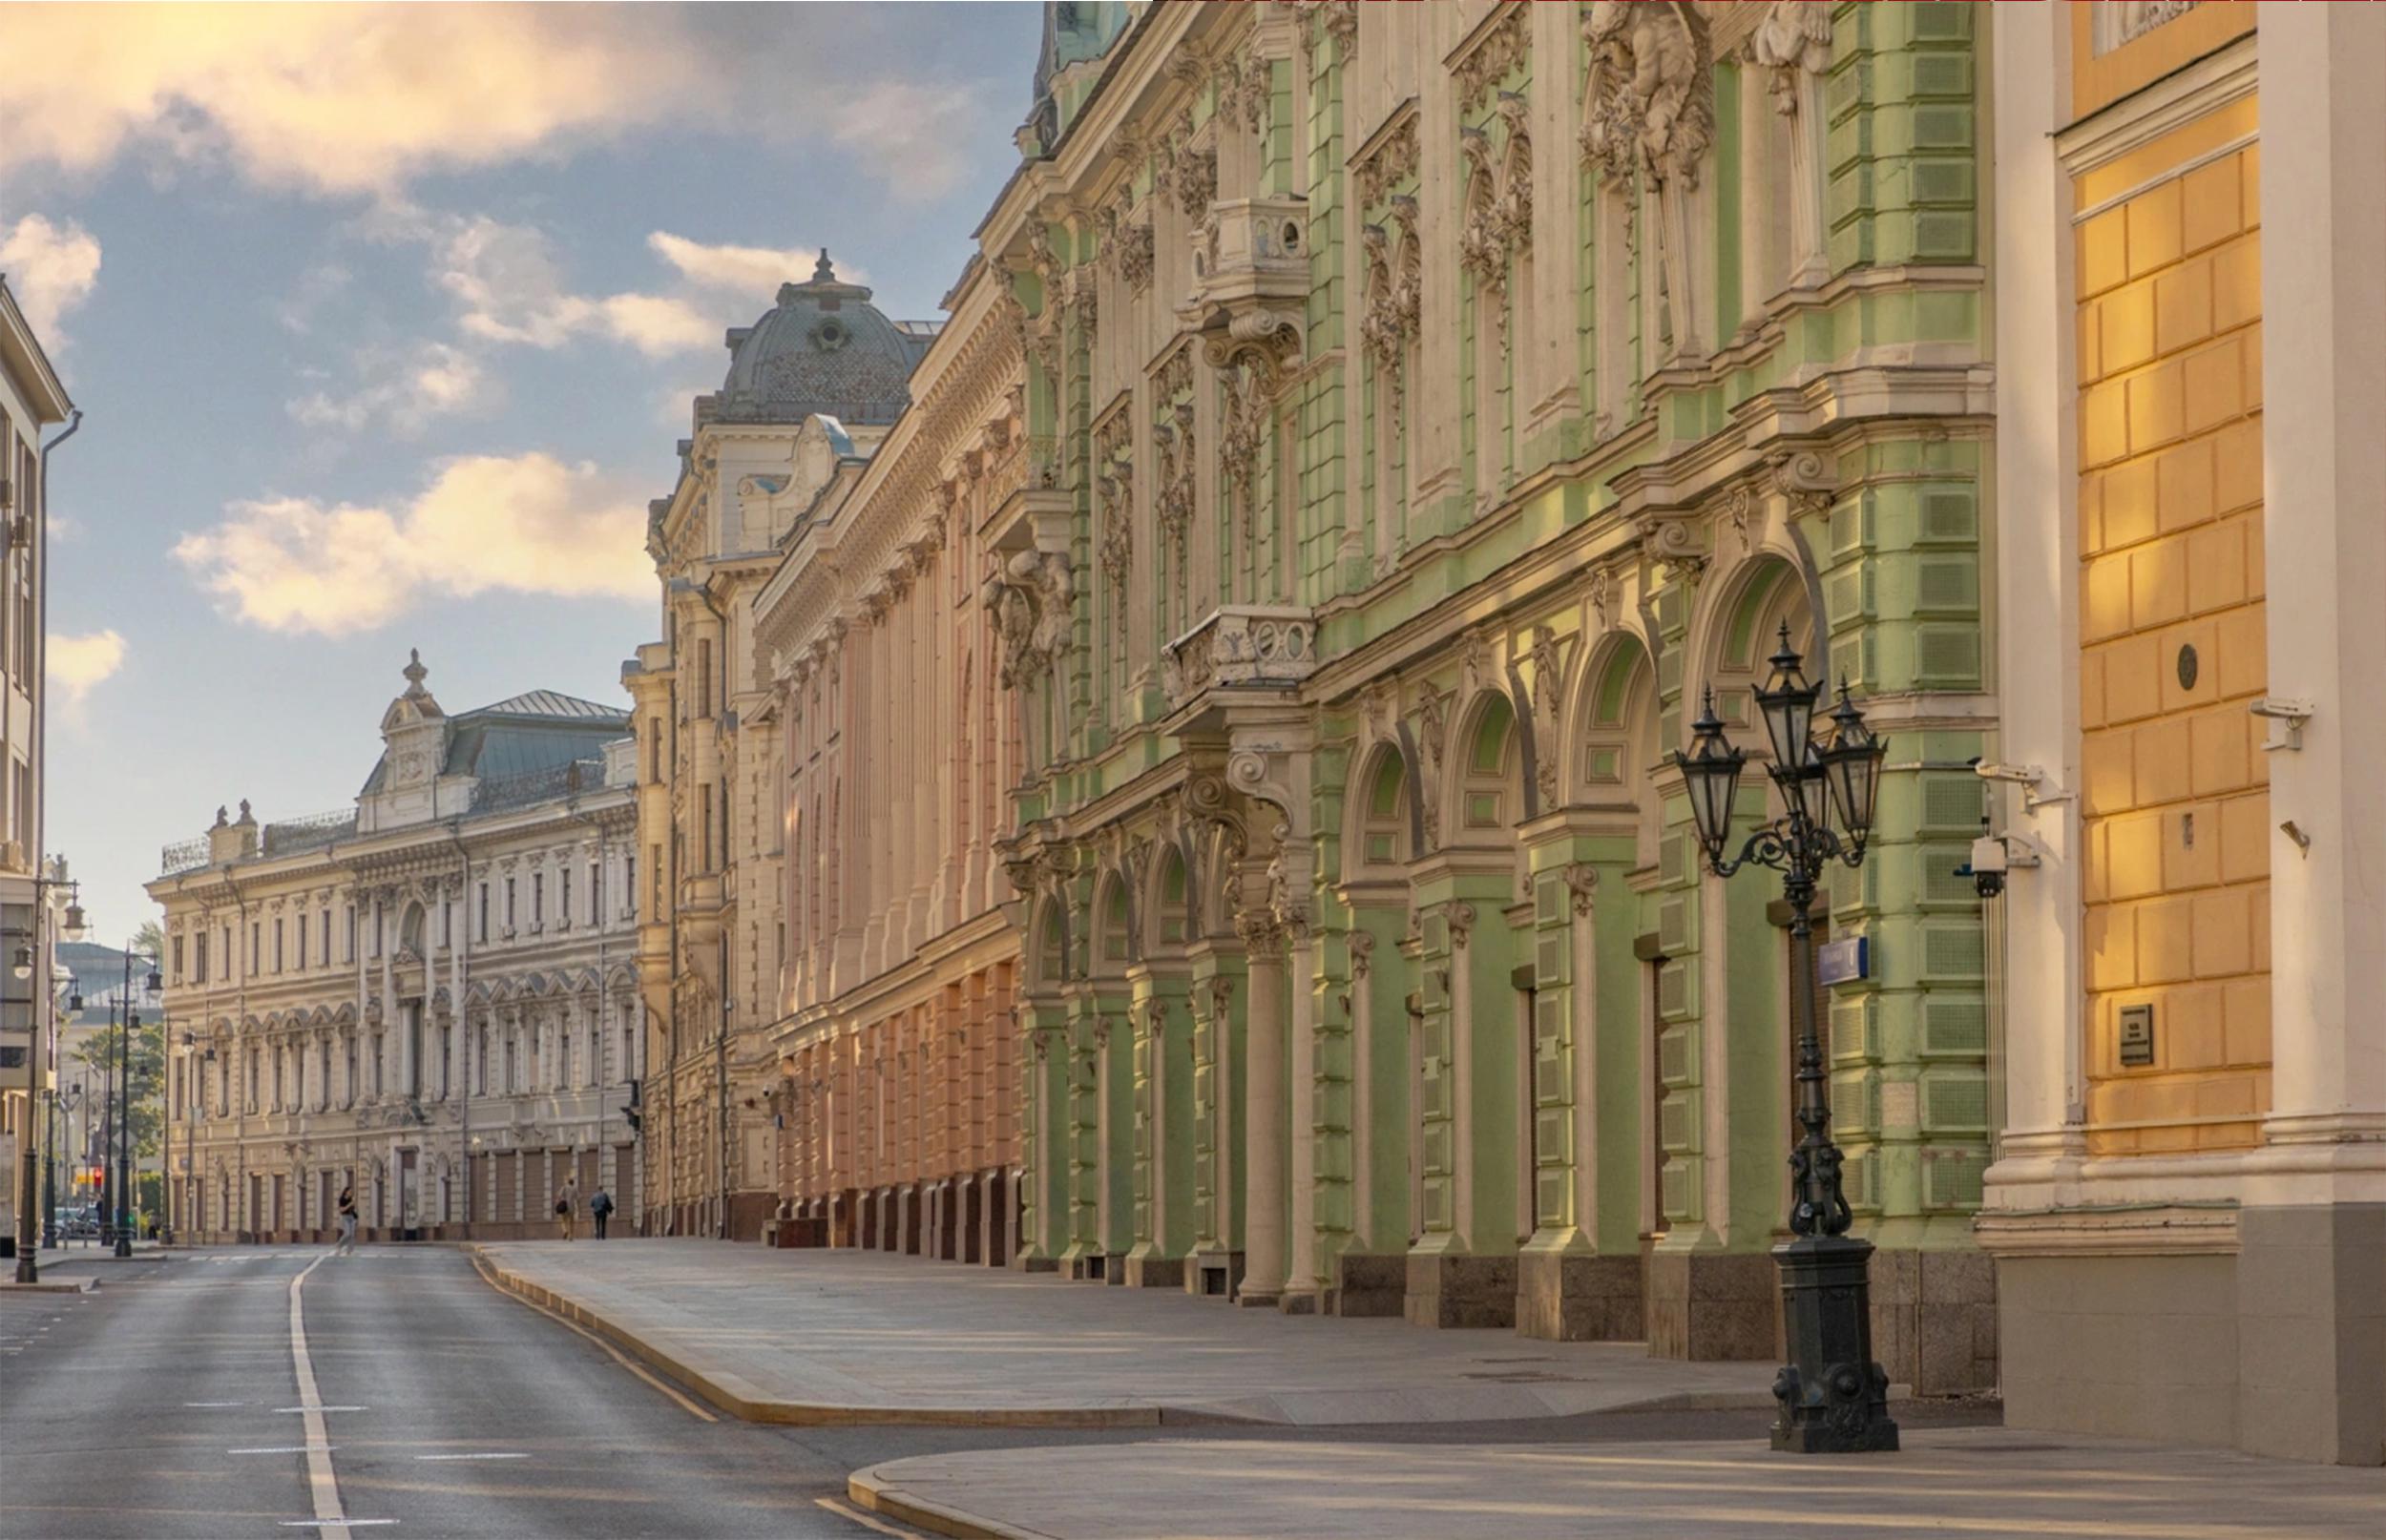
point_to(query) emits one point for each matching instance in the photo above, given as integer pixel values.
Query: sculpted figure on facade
(1792, 44)
(1648, 110)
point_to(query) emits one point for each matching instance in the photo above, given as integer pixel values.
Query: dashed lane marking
(332, 1524)
(318, 1448)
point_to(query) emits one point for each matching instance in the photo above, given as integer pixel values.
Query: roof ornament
(414, 672)
(824, 271)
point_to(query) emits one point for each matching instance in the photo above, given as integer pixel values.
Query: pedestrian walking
(567, 1199)
(600, 1210)
(347, 1223)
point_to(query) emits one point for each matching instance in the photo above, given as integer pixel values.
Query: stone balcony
(1242, 647)
(1250, 269)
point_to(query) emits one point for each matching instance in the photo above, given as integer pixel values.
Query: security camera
(1987, 867)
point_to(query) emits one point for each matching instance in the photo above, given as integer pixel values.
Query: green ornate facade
(1426, 405)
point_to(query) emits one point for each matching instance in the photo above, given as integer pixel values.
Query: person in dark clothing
(600, 1210)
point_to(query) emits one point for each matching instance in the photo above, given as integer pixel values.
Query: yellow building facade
(2189, 1208)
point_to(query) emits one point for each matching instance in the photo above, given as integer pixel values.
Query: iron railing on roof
(502, 792)
(183, 854)
(293, 835)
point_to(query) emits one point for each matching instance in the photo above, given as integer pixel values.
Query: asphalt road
(167, 1406)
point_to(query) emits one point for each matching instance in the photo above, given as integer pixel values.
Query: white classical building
(431, 996)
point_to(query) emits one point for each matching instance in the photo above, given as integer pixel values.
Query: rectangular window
(705, 677)
(654, 751)
(564, 897)
(301, 929)
(276, 945)
(326, 937)
(509, 906)
(483, 911)
(199, 957)
(381, 925)
(653, 857)
(596, 892)
(538, 899)
(255, 947)
(177, 957)
(446, 923)
(350, 956)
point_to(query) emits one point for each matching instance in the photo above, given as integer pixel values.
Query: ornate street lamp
(1833, 1396)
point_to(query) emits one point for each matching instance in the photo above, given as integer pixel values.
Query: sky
(386, 323)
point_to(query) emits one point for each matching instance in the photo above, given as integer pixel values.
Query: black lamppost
(1835, 1399)
(63, 1104)
(151, 985)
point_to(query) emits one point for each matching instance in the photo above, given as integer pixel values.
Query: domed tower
(823, 350)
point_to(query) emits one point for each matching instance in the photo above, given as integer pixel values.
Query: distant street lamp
(151, 984)
(1833, 1396)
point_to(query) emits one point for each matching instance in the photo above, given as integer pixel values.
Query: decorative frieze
(1500, 47)
(1391, 161)
(1114, 484)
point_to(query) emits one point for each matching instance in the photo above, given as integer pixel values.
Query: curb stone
(872, 1490)
(742, 1400)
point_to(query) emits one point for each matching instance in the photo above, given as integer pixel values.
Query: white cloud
(527, 524)
(916, 133)
(510, 288)
(53, 269)
(362, 98)
(744, 270)
(333, 98)
(317, 288)
(81, 664)
(406, 390)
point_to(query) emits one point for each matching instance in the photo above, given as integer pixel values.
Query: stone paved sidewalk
(860, 1336)
(1990, 1482)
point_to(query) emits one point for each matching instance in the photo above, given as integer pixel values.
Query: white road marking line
(318, 1473)
(331, 1524)
(214, 1405)
(471, 1457)
(289, 1449)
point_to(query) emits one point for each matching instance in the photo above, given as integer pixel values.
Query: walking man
(347, 1246)
(567, 1199)
(600, 1210)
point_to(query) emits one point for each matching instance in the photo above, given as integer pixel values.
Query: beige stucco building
(32, 400)
(430, 996)
(811, 389)
(2189, 1207)
(899, 1059)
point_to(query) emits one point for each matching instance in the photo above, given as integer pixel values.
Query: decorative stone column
(1263, 1114)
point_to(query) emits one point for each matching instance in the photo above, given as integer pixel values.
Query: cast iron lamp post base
(1835, 1398)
